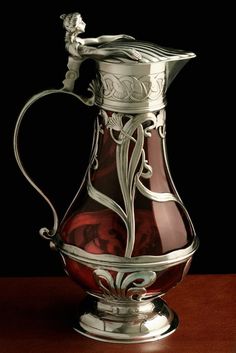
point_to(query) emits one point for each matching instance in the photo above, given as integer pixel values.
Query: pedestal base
(126, 321)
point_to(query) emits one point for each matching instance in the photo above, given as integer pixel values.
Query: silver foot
(126, 321)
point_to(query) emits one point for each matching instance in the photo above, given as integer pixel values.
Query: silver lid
(125, 85)
(133, 76)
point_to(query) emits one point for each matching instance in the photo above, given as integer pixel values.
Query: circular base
(126, 321)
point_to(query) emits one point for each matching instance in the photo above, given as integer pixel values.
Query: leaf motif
(100, 275)
(115, 122)
(133, 286)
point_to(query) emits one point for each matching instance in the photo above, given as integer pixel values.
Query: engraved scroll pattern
(126, 88)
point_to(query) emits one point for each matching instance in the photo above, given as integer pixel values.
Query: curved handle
(44, 232)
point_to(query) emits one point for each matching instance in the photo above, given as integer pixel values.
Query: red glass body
(160, 227)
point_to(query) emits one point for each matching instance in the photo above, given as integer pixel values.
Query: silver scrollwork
(127, 88)
(131, 166)
(124, 287)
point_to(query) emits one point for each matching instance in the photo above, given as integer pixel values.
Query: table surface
(36, 316)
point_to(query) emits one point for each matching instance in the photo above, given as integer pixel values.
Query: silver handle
(44, 232)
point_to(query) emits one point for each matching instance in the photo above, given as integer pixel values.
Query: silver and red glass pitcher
(130, 238)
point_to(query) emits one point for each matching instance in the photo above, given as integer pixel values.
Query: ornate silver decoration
(127, 88)
(131, 167)
(130, 287)
(82, 48)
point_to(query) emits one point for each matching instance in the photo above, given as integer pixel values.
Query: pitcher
(127, 237)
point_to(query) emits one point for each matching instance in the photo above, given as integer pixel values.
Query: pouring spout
(175, 66)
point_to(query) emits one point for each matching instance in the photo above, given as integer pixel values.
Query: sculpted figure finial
(88, 47)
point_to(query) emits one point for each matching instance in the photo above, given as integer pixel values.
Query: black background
(55, 140)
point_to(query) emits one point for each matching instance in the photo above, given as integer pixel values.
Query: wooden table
(36, 317)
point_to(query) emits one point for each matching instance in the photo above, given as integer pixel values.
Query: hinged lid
(135, 86)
